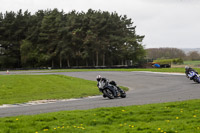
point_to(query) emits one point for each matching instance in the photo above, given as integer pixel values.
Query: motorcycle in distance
(194, 76)
(110, 89)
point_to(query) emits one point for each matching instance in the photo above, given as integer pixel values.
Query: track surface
(145, 88)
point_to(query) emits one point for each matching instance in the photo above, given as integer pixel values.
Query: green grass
(173, 69)
(180, 117)
(24, 88)
(192, 63)
(179, 70)
(174, 117)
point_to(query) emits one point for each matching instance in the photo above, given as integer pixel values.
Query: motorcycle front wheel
(196, 80)
(108, 93)
(122, 92)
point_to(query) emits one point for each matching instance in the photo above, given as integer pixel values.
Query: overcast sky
(165, 23)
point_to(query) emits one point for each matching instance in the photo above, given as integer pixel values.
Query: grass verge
(174, 117)
(173, 70)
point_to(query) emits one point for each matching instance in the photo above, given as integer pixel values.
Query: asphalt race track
(145, 88)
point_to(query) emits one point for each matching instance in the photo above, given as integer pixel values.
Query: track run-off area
(144, 88)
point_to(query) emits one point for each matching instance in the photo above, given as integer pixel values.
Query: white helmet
(187, 67)
(98, 78)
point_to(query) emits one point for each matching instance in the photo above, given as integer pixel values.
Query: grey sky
(165, 23)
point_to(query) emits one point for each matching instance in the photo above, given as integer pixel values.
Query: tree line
(171, 53)
(53, 38)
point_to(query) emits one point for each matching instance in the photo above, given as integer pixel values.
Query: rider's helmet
(98, 77)
(187, 67)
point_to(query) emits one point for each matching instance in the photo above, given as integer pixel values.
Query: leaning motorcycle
(110, 89)
(194, 76)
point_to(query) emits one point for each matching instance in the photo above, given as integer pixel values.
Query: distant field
(192, 63)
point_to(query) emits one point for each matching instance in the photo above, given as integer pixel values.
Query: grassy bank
(175, 117)
(179, 70)
(175, 68)
(24, 88)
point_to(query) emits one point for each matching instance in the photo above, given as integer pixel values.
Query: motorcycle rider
(100, 80)
(188, 70)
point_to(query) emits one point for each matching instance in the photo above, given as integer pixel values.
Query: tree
(7, 40)
(193, 55)
(165, 53)
(29, 55)
(48, 38)
(58, 39)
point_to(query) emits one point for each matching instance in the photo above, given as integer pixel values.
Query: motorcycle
(194, 76)
(110, 89)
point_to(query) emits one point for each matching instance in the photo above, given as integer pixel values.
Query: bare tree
(165, 53)
(193, 55)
